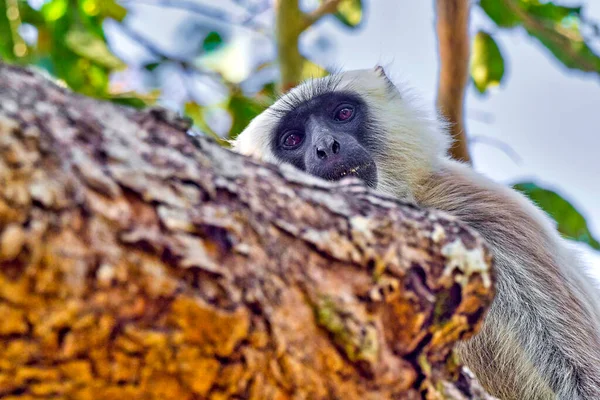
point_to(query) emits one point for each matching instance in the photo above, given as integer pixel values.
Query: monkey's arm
(542, 332)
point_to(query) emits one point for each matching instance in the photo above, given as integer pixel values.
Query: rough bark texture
(136, 263)
(454, 48)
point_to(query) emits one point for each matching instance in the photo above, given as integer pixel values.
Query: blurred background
(530, 116)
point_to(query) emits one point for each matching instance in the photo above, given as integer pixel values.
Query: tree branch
(326, 8)
(137, 263)
(289, 22)
(453, 44)
(162, 56)
(500, 145)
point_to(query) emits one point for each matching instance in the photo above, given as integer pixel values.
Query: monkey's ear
(380, 71)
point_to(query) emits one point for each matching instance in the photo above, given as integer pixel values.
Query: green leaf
(151, 66)
(487, 63)
(133, 102)
(103, 9)
(96, 76)
(500, 13)
(350, 13)
(90, 7)
(79, 72)
(550, 11)
(212, 42)
(570, 222)
(30, 15)
(54, 9)
(93, 48)
(556, 27)
(196, 113)
(133, 99)
(111, 9)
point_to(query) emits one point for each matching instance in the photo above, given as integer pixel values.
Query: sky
(549, 116)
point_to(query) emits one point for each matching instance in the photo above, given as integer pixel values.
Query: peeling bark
(139, 263)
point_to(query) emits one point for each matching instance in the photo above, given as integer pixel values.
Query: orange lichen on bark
(139, 263)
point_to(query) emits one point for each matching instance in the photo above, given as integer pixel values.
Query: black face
(328, 137)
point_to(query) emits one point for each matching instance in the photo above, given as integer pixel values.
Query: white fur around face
(413, 139)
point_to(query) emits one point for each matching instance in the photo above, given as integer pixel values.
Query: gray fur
(541, 336)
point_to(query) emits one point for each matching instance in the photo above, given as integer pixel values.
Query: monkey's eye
(291, 140)
(344, 113)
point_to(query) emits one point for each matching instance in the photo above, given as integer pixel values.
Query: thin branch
(206, 11)
(255, 13)
(453, 43)
(480, 116)
(290, 22)
(595, 28)
(326, 8)
(162, 55)
(500, 145)
(144, 42)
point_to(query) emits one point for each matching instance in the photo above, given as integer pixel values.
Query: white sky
(548, 115)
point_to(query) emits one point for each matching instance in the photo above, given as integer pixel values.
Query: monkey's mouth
(353, 171)
(367, 172)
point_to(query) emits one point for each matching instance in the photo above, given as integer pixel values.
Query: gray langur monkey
(541, 336)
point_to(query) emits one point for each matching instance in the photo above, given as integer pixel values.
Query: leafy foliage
(135, 100)
(487, 63)
(500, 12)
(569, 220)
(556, 27)
(70, 45)
(91, 47)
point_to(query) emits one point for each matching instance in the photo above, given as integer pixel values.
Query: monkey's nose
(327, 147)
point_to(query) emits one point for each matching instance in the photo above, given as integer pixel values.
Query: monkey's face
(355, 123)
(327, 136)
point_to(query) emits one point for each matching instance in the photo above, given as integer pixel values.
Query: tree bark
(454, 48)
(137, 262)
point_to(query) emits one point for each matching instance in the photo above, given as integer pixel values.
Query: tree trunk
(137, 262)
(452, 27)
